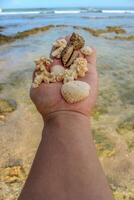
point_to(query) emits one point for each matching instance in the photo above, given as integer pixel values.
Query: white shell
(80, 65)
(75, 91)
(60, 43)
(87, 51)
(57, 69)
(57, 52)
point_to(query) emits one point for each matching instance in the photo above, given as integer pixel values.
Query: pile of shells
(74, 65)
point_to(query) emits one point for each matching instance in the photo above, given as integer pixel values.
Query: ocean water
(20, 131)
(15, 20)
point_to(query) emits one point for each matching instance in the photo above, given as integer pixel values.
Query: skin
(66, 166)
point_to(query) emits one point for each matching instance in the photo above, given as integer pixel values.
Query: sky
(64, 3)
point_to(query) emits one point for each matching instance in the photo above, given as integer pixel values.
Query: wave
(118, 11)
(19, 13)
(67, 11)
(64, 11)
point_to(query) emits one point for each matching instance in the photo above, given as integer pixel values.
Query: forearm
(66, 166)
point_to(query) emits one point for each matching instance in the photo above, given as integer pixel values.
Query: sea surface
(21, 19)
(113, 118)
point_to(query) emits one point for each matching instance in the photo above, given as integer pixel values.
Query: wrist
(66, 121)
(63, 115)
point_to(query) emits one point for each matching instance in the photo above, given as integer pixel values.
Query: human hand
(48, 99)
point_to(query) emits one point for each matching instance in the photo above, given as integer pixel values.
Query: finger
(56, 61)
(67, 38)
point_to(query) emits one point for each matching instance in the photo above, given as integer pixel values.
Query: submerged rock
(23, 34)
(98, 111)
(107, 29)
(115, 29)
(126, 125)
(104, 146)
(129, 38)
(6, 39)
(7, 105)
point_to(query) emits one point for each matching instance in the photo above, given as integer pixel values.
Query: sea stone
(75, 91)
(77, 41)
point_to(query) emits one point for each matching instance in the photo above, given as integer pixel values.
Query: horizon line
(68, 7)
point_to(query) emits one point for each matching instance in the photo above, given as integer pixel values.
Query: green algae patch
(7, 105)
(20, 35)
(98, 111)
(1, 87)
(104, 146)
(129, 38)
(108, 29)
(26, 33)
(126, 125)
(6, 39)
(130, 144)
(123, 196)
(126, 129)
(115, 29)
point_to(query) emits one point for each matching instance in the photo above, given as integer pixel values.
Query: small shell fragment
(60, 43)
(57, 69)
(69, 75)
(56, 53)
(87, 51)
(75, 91)
(80, 66)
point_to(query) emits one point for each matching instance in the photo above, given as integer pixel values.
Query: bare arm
(66, 166)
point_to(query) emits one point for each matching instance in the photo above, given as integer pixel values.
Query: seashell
(74, 55)
(66, 54)
(43, 60)
(75, 91)
(56, 53)
(87, 51)
(77, 41)
(80, 66)
(80, 61)
(60, 43)
(57, 69)
(37, 80)
(69, 75)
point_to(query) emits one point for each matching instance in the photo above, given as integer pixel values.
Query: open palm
(48, 99)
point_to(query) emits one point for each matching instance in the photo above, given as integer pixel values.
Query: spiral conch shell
(75, 91)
